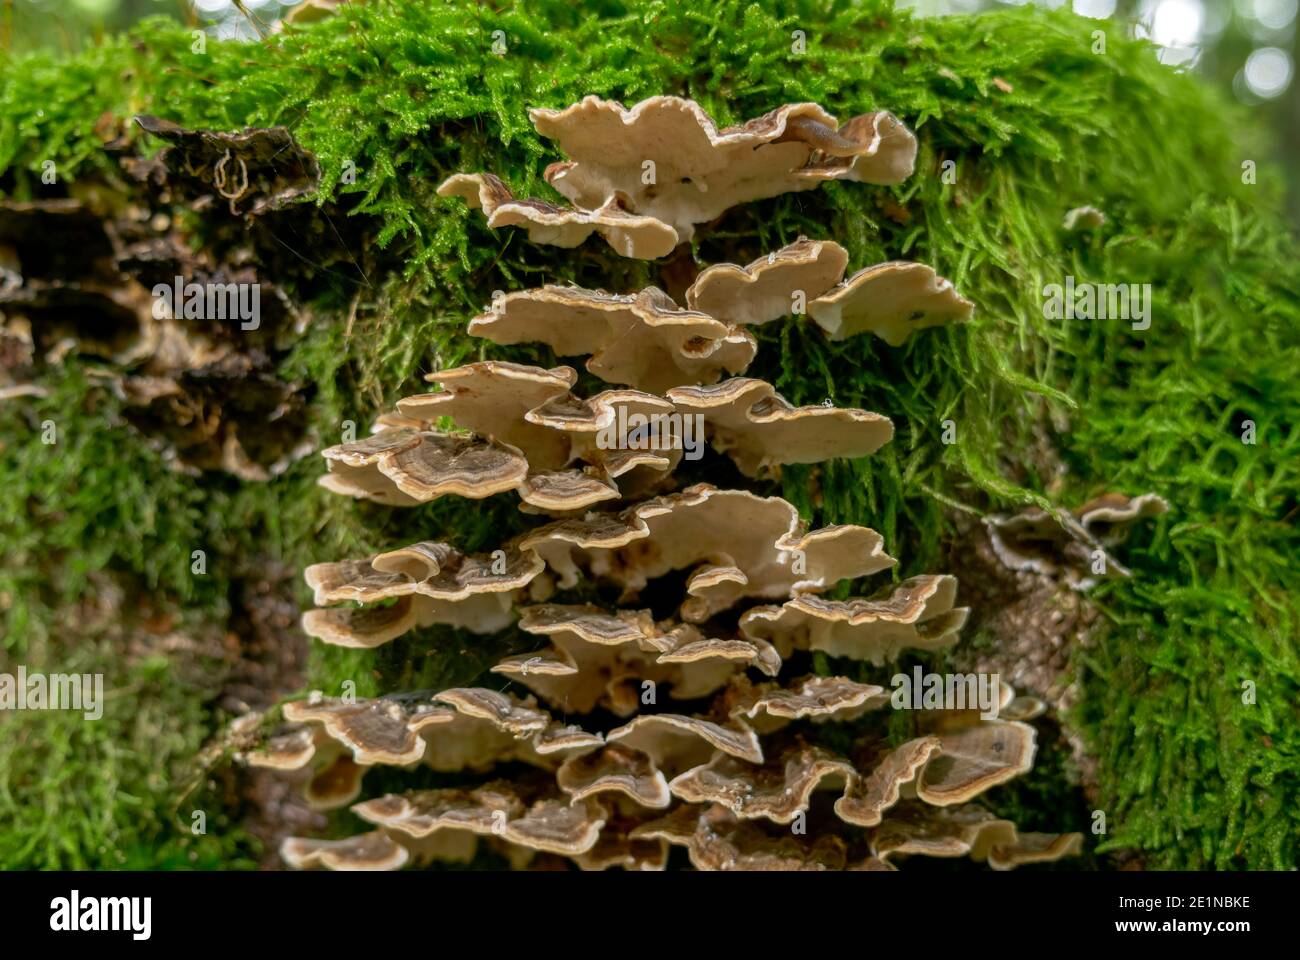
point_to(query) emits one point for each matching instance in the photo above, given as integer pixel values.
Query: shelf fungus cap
(768, 707)
(564, 492)
(736, 543)
(758, 428)
(676, 743)
(602, 659)
(778, 790)
(421, 813)
(918, 614)
(630, 235)
(1072, 545)
(700, 171)
(385, 730)
(289, 750)
(872, 791)
(430, 568)
(490, 727)
(970, 830)
(549, 823)
(555, 825)
(615, 769)
(404, 467)
(974, 759)
(890, 300)
(723, 841)
(699, 664)
(335, 778)
(592, 653)
(492, 399)
(642, 340)
(366, 851)
(565, 739)
(625, 434)
(363, 627)
(431, 582)
(768, 288)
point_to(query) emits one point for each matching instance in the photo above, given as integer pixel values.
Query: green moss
(409, 92)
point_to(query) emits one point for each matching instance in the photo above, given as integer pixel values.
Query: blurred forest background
(1247, 46)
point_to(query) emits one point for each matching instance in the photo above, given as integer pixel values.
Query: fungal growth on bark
(689, 705)
(254, 170)
(182, 358)
(696, 171)
(644, 177)
(644, 341)
(642, 238)
(891, 300)
(764, 290)
(758, 428)
(1075, 546)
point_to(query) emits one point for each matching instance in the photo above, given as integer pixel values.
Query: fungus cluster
(642, 178)
(638, 732)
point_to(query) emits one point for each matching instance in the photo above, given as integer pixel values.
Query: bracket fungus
(404, 467)
(735, 545)
(462, 729)
(1074, 546)
(696, 171)
(643, 238)
(758, 428)
(530, 819)
(366, 851)
(643, 340)
(618, 769)
(643, 177)
(768, 707)
(333, 778)
(744, 752)
(765, 290)
(423, 584)
(778, 791)
(722, 841)
(918, 614)
(493, 399)
(602, 659)
(967, 831)
(891, 300)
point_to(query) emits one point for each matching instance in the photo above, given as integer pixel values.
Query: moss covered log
(1022, 115)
